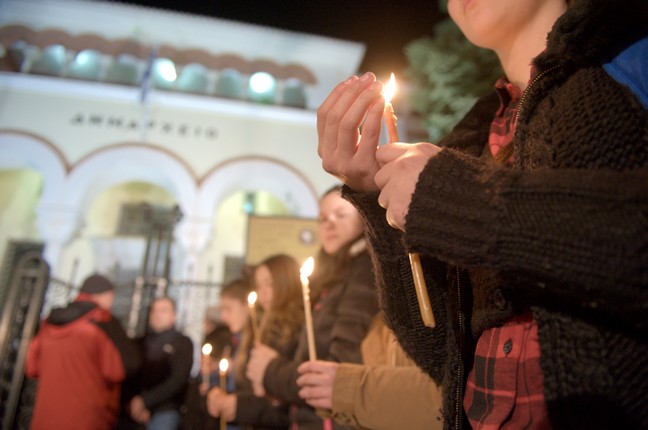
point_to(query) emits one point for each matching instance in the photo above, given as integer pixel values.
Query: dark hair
(331, 269)
(237, 289)
(334, 189)
(286, 314)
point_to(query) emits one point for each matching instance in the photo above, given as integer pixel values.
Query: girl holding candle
(535, 280)
(218, 337)
(344, 305)
(236, 314)
(278, 288)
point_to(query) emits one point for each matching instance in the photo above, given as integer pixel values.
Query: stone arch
(25, 150)
(130, 162)
(282, 180)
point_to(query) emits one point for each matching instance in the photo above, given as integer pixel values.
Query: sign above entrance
(114, 122)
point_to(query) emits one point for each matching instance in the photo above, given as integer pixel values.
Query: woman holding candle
(344, 304)
(218, 337)
(528, 219)
(386, 392)
(276, 282)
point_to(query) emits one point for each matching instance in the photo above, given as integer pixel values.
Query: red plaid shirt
(505, 386)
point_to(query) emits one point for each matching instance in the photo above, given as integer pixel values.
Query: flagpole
(145, 91)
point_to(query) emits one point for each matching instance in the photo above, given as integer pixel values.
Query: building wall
(72, 150)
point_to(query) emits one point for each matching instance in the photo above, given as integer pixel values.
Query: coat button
(508, 346)
(499, 300)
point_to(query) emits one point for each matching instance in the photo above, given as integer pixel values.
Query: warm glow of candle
(306, 270)
(206, 349)
(304, 273)
(388, 114)
(252, 298)
(390, 89)
(223, 365)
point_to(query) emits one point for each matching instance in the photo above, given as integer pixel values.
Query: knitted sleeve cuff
(452, 215)
(380, 234)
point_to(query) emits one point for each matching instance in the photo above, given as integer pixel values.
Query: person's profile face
(264, 286)
(234, 313)
(105, 300)
(339, 222)
(162, 316)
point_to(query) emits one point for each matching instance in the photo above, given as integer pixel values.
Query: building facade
(104, 106)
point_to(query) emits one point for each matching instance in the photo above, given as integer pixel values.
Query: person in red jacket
(80, 356)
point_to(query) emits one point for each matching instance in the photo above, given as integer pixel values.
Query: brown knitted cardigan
(563, 231)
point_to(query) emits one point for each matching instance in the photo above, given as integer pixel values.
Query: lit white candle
(389, 115)
(223, 366)
(304, 273)
(206, 351)
(252, 298)
(415, 262)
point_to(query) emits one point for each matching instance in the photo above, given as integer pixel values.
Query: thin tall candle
(304, 273)
(206, 351)
(223, 366)
(252, 298)
(415, 261)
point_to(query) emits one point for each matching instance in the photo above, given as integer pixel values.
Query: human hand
(345, 153)
(260, 356)
(400, 167)
(316, 382)
(138, 410)
(220, 403)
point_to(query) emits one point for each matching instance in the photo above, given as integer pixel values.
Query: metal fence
(132, 299)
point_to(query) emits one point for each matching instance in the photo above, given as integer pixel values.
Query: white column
(193, 234)
(57, 225)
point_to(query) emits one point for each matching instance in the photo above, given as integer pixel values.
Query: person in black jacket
(529, 218)
(277, 283)
(219, 337)
(168, 358)
(344, 303)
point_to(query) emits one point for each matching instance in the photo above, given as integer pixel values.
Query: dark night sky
(384, 26)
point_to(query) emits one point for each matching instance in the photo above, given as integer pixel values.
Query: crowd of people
(260, 388)
(531, 222)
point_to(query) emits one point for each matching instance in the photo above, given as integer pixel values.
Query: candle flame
(307, 268)
(223, 365)
(252, 298)
(206, 349)
(390, 89)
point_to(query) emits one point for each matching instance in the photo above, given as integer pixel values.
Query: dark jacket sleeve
(252, 410)
(427, 347)
(346, 320)
(354, 314)
(181, 362)
(573, 235)
(280, 380)
(128, 350)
